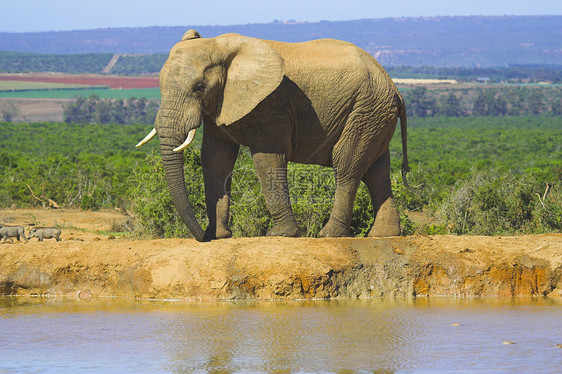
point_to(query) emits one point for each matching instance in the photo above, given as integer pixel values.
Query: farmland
(18, 86)
(67, 86)
(41, 97)
(424, 97)
(148, 93)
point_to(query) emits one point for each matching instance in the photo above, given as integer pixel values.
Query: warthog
(12, 232)
(45, 233)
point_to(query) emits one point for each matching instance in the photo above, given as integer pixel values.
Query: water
(59, 335)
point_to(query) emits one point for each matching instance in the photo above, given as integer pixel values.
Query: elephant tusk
(190, 137)
(147, 138)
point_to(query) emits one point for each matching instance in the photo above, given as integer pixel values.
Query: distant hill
(434, 41)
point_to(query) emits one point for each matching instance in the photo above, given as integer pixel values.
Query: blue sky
(53, 15)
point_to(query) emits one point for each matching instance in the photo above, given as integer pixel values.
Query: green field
(104, 93)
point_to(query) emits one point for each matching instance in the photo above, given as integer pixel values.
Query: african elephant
(12, 232)
(324, 102)
(45, 233)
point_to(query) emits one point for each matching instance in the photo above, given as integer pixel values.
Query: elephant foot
(284, 229)
(221, 233)
(334, 229)
(384, 230)
(387, 221)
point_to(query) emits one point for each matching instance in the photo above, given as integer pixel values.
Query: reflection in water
(421, 335)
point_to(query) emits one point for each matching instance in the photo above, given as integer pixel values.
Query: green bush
(547, 215)
(472, 175)
(248, 212)
(153, 210)
(485, 202)
(493, 202)
(406, 225)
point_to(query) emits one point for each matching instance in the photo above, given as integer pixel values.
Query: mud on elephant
(324, 102)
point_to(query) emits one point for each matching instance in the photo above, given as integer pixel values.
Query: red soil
(87, 79)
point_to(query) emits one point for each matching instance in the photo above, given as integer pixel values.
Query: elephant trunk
(173, 167)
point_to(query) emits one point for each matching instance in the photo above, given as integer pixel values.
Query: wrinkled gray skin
(324, 102)
(45, 233)
(12, 232)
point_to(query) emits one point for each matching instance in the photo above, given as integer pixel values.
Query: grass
(148, 93)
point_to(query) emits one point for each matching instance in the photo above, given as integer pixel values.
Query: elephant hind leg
(364, 139)
(349, 165)
(340, 219)
(377, 179)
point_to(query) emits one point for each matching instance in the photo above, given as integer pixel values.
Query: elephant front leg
(272, 172)
(218, 158)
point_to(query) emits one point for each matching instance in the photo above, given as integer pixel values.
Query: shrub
(484, 202)
(311, 189)
(248, 212)
(151, 203)
(491, 203)
(548, 213)
(406, 225)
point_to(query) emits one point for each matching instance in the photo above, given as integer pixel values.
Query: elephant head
(216, 80)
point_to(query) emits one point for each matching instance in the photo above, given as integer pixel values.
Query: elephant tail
(404, 131)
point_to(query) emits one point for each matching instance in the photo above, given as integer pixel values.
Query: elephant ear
(253, 71)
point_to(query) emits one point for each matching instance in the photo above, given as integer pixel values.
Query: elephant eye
(200, 87)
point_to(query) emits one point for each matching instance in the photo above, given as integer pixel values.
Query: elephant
(12, 232)
(45, 233)
(324, 102)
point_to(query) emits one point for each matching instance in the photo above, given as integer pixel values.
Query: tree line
(505, 101)
(420, 102)
(139, 64)
(20, 62)
(97, 110)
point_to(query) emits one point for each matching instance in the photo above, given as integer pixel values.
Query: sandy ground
(74, 223)
(91, 262)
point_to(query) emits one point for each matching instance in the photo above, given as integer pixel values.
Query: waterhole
(57, 335)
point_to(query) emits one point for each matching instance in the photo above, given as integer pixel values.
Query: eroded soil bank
(90, 264)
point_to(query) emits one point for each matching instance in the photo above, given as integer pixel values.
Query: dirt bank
(88, 263)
